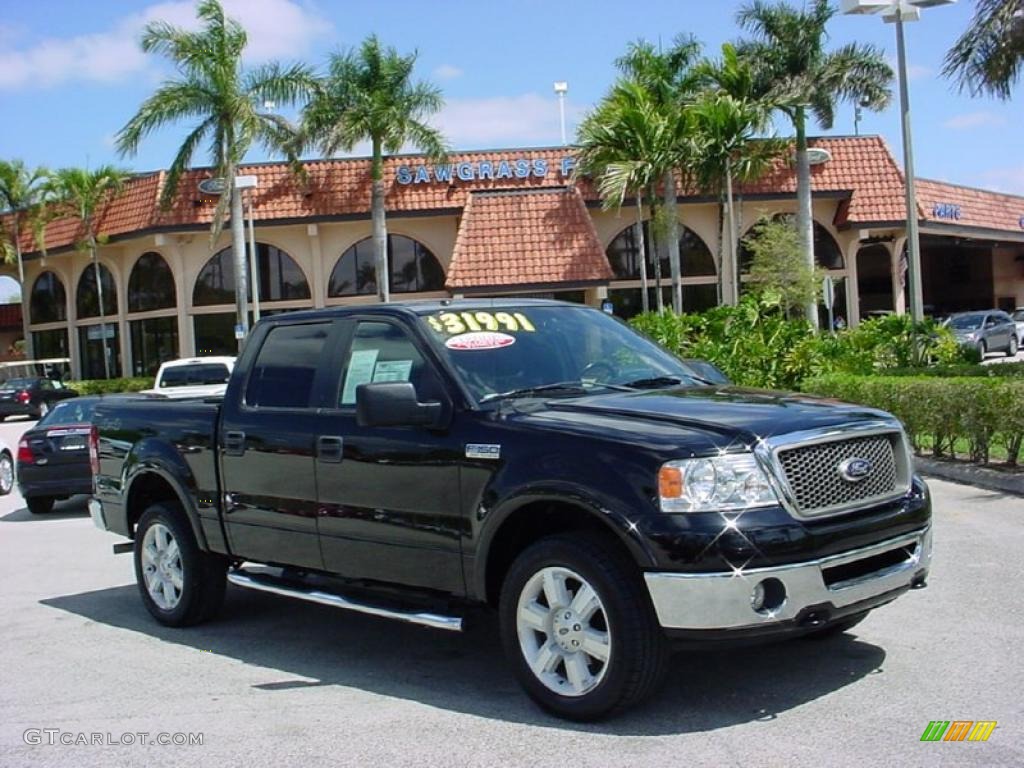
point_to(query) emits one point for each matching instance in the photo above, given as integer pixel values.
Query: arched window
(87, 296)
(151, 285)
(48, 302)
(624, 255)
(281, 279)
(413, 269)
(826, 250)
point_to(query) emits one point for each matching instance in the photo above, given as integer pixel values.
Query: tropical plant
(228, 102)
(987, 57)
(368, 94)
(793, 71)
(672, 81)
(727, 123)
(778, 267)
(82, 194)
(22, 193)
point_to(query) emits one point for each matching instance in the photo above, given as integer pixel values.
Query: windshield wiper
(562, 387)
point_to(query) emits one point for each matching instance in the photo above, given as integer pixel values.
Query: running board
(265, 583)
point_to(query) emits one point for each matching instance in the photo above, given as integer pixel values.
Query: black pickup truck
(417, 460)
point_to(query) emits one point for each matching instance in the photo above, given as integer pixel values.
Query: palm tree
(987, 57)
(227, 101)
(22, 192)
(795, 73)
(82, 195)
(728, 123)
(369, 95)
(672, 81)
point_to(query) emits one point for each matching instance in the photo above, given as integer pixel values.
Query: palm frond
(989, 56)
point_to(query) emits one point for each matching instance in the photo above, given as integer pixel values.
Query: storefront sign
(506, 168)
(97, 332)
(946, 211)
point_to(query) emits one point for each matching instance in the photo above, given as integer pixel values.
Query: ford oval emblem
(855, 469)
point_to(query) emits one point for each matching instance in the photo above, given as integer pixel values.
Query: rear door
(389, 496)
(266, 444)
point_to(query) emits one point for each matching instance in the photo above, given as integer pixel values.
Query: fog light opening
(768, 596)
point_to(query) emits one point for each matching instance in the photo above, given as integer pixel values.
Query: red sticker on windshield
(480, 340)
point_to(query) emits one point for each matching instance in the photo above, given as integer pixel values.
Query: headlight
(716, 484)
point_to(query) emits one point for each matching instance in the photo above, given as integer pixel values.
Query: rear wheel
(983, 348)
(6, 473)
(180, 584)
(1011, 350)
(578, 628)
(39, 505)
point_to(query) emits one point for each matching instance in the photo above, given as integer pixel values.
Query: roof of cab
(422, 307)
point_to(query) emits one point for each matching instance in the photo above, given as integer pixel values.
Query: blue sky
(71, 72)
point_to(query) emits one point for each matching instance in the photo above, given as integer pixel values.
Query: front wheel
(6, 473)
(180, 584)
(578, 628)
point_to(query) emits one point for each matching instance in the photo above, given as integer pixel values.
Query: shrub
(980, 411)
(110, 386)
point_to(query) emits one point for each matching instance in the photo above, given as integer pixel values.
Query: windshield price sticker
(456, 323)
(480, 340)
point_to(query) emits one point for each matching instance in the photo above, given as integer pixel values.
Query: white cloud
(276, 29)
(447, 72)
(970, 120)
(504, 120)
(914, 71)
(1009, 180)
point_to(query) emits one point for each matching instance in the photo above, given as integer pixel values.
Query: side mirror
(394, 404)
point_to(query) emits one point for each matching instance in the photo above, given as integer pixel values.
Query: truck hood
(732, 412)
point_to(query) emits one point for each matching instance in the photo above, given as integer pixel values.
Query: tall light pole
(561, 88)
(252, 182)
(897, 13)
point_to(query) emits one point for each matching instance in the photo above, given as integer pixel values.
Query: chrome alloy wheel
(161, 567)
(6, 474)
(563, 631)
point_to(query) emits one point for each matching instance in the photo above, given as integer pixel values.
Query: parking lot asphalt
(276, 681)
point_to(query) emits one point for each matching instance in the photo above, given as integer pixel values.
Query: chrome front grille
(812, 472)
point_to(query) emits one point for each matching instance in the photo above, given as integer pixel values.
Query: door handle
(329, 448)
(234, 443)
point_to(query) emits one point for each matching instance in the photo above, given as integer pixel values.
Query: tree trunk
(804, 215)
(99, 297)
(672, 234)
(238, 252)
(380, 229)
(734, 264)
(25, 295)
(645, 300)
(659, 300)
(720, 256)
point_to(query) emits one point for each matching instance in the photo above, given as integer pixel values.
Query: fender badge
(855, 469)
(483, 451)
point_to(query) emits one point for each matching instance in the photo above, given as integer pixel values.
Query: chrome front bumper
(96, 513)
(709, 601)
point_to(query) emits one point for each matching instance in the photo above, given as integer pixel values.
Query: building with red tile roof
(501, 222)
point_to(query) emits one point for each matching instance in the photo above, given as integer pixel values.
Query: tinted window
(74, 411)
(48, 302)
(87, 297)
(413, 268)
(624, 254)
(190, 375)
(385, 352)
(19, 383)
(286, 366)
(281, 279)
(151, 285)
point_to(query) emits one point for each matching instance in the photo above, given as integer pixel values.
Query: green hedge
(109, 386)
(999, 370)
(979, 411)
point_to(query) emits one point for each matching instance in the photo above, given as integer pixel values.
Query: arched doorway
(874, 280)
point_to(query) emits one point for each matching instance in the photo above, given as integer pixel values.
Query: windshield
(191, 375)
(560, 348)
(966, 322)
(75, 411)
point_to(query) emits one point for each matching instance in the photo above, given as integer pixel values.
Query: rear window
(73, 411)
(18, 383)
(192, 375)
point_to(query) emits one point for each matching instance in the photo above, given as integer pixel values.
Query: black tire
(204, 575)
(636, 663)
(6, 473)
(837, 628)
(39, 505)
(1011, 350)
(983, 348)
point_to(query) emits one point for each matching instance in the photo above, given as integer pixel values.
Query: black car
(31, 397)
(53, 456)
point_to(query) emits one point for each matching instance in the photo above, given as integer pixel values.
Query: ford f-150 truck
(414, 460)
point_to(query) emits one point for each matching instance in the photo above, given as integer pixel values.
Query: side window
(46, 385)
(385, 352)
(286, 366)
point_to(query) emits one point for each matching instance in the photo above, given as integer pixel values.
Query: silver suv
(990, 330)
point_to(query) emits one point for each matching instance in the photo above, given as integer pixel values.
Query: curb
(971, 474)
